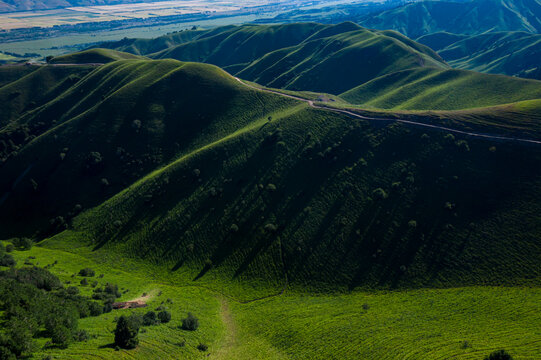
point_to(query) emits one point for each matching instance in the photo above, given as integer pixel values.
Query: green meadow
(461, 323)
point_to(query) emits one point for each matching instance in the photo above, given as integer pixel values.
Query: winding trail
(402, 121)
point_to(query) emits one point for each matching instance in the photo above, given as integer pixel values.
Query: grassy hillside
(299, 56)
(29, 87)
(442, 90)
(93, 56)
(509, 53)
(336, 63)
(221, 191)
(465, 323)
(152, 111)
(470, 17)
(149, 46)
(440, 40)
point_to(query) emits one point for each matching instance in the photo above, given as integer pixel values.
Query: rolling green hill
(312, 198)
(299, 56)
(33, 87)
(509, 53)
(441, 89)
(293, 229)
(470, 17)
(93, 56)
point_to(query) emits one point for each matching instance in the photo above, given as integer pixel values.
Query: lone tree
(190, 323)
(127, 329)
(499, 355)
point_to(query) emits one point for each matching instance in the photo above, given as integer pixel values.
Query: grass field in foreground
(461, 323)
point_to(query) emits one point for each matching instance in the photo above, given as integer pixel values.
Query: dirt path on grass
(141, 301)
(402, 121)
(230, 338)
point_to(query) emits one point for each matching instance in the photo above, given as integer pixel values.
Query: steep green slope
(113, 126)
(324, 199)
(34, 86)
(336, 63)
(509, 53)
(442, 90)
(471, 17)
(440, 40)
(182, 166)
(240, 45)
(306, 56)
(93, 56)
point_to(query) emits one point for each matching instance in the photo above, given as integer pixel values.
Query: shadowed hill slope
(442, 90)
(32, 89)
(471, 17)
(181, 165)
(115, 125)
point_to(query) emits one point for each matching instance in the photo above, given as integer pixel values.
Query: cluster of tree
(34, 303)
(127, 327)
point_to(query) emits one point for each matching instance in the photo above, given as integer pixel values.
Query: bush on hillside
(87, 272)
(126, 332)
(10, 248)
(23, 243)
(164, 316)
(150, 318)
(7, 260)
(61, 336)
(499, 355)
(190, 323)
(202, 347)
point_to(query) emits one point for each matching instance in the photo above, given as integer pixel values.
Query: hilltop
(93, 56)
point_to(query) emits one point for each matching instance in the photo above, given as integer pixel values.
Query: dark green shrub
(10, 248)
(95, 308)
(7, 260)
(126, 333)
(24, 244)
(150, 319)
(202, 347)
(87, 272)
(190, 323)
(61, 336)
(499, 355)
(84, 282)
(164, 316)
